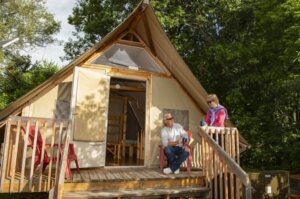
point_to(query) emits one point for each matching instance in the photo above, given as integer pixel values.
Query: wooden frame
(147, 79)
(141, 44)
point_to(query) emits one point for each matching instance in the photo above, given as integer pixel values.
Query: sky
(61, 10)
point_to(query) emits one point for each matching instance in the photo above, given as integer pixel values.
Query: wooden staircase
(134, 182)
(220, 163)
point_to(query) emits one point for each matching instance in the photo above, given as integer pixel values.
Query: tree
(245, 51)
(266, 93)
(94, 18)
(27, 20)
(21, 76)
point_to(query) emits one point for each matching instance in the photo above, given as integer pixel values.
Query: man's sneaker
(167, 171)
(177, 171)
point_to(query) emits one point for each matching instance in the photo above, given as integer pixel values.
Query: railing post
(5, 154)
(62, 167)
(229, 159)
(247, 191)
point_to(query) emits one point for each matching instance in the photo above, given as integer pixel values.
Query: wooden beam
(182, 192)
(138, 37)
(133, 184)
(124, 72)
(127, 88)
(131, 43)
(147, 131)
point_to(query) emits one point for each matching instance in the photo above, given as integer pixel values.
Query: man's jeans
(175, 155)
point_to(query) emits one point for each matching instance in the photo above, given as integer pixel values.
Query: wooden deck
(39, 183)
(129, 182)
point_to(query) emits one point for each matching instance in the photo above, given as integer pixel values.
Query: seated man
(174, 141)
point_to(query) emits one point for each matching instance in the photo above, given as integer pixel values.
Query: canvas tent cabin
(134, 72)
(110, 102)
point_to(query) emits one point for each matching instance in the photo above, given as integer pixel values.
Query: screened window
(120, 55)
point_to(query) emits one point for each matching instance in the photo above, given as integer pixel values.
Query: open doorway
(126, 123)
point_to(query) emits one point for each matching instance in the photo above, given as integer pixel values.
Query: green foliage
(30, 22)
(95, 18)
(264, 92)
(246, 51)
(27, 20)
(20, 76)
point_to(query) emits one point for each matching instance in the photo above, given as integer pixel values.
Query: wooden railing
(220, 161)
(31, 144)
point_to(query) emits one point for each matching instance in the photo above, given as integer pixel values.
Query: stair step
(200, 192)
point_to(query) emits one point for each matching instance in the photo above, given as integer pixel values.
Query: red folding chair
(39, 145)
(163, 158)
(71, 157)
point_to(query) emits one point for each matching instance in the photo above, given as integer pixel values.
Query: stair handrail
(234, 167)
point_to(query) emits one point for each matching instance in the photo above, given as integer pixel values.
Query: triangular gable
(126, 56)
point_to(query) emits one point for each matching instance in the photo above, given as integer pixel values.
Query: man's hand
(186, 148)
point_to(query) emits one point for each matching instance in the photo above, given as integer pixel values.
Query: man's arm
(164, 138)
(170, 143)
(184, 135)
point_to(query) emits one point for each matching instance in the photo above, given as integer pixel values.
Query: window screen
(62, 110)
(120, 55)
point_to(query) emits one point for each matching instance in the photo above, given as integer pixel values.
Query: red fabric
(39, 144)
(219, 118)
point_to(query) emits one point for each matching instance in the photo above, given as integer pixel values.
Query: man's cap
(168, 116)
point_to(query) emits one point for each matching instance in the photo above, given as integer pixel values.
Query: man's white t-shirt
(172, 134)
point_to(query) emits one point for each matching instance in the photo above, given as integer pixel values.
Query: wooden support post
(238, 194)
(58, 153)
(24, 155)
(125, 107)
(42, 160)
(53, 134)
(33, 156)
(14, 156)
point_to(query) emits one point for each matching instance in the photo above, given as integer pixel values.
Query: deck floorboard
(124, 174)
